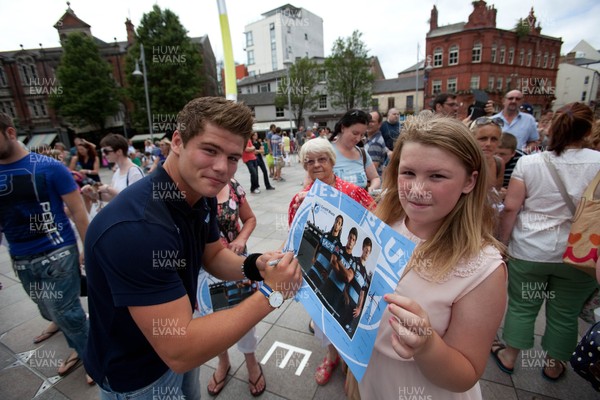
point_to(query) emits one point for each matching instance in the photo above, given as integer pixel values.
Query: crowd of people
(475, 197)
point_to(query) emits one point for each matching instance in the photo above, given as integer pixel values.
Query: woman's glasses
(320, 160)
(489, 120)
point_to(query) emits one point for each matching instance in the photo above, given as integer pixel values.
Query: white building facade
(282, 34)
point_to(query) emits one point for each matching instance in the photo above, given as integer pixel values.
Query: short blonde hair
(317, 146)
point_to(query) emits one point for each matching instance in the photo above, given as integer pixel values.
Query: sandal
(253, 384)
(497, 346)
(325, 370)
(217, 383)
(72, 363)
(45, 335)
(562, 372)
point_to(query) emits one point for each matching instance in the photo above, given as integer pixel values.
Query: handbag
(586, 357)
(584, 237)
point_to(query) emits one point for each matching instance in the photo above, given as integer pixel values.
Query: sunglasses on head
(488, 120)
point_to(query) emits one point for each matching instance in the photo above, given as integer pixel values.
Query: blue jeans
(52, 281)
(168, 386)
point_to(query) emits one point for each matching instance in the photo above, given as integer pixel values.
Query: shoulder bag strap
(127, 177)
(364, 155)
(559, 183)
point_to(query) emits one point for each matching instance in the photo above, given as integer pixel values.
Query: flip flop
(72, 364)
(44, 336)
(256, 394)
(499, 346)
(217, 383)
(562, 373)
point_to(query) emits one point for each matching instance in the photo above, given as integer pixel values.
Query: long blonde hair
(470, 223)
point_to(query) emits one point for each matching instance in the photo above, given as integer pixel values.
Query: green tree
(349, 77)
(303, 79)
(88, 93)
(173, 65)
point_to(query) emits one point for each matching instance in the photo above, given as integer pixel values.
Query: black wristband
(251, 269)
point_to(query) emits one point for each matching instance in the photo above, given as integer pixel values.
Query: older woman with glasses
(487, 132)
(319, 159)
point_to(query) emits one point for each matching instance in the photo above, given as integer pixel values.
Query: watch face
(276, 299)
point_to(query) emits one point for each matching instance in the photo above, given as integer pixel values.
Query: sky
(392, 29)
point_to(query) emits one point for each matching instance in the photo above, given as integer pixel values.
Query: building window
(493, 54)
(37, 108)
(272, 26)
(375, 104)
(322, 75)
(451, 85)
(289, 29)
(476, 56)
(264, 88)
(7, 108)
(3, 81)
(491, 82)
(306, 36)
(391, 102)
(323, 102)
(438, 55)
(250, 54)
(529, 56)
(499, 83)
(521, 56)
(583, 95)
(410, 102)
(552, 60)
(545, 60)
(475, 82)
(502, 54)
(279, 112)
(437, 87)
(453, 55)
(511, 56)
(538, 59)
(27, 70)
(249, 39)
(586, 80)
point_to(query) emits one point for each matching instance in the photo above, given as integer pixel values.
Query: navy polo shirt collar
(166, 190)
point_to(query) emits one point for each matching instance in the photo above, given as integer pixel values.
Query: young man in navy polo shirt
(145, 252)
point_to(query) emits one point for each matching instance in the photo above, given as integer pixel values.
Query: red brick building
(477, 55)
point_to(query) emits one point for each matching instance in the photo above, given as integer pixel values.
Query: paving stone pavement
(28, 371)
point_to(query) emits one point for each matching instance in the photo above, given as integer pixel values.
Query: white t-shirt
(543, 224)
(119, 181)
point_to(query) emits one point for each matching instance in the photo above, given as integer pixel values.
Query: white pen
(273, 263)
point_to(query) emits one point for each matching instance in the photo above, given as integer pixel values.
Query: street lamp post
(288, 65)
(137, 72)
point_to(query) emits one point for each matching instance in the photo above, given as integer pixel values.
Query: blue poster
(349, 259)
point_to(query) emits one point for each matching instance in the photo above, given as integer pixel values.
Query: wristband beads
(250, 269)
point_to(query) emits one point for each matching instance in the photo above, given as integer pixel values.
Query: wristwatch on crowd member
(275, 298)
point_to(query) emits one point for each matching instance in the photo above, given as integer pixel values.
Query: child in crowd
(435, 334)
(507, 151)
